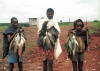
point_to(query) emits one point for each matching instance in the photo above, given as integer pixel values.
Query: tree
(95, 21)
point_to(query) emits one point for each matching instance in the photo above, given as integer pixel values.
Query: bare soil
(33, 54)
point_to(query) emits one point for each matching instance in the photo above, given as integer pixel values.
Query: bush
(95, 21)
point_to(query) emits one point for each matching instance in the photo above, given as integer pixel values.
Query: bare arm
(8, 37)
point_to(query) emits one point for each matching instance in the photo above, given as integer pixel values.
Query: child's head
(78, 24)
(14, 21)
(50, 13)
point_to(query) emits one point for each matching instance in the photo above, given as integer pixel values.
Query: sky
(64, 9)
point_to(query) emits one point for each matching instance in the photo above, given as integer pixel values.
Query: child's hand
(86, 28)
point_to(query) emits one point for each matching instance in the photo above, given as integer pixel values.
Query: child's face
(79, 26)
(15, 23)
(50, 15)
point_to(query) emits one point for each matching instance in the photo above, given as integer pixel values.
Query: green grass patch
(30, 44)
(1, 50)
(3, 27)
(66, 23)
(95, 25)
(91, 31)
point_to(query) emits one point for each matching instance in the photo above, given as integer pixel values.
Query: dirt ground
(33, 54)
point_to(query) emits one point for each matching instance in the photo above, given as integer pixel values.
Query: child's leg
(11, 66)
(45, 65)
(74, 65)
(80, 65)
(50, 65)
(20, 65)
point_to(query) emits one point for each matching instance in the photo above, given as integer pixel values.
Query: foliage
(95, 25)
(95, 21)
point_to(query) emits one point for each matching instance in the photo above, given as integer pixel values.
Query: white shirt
(51, 23)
